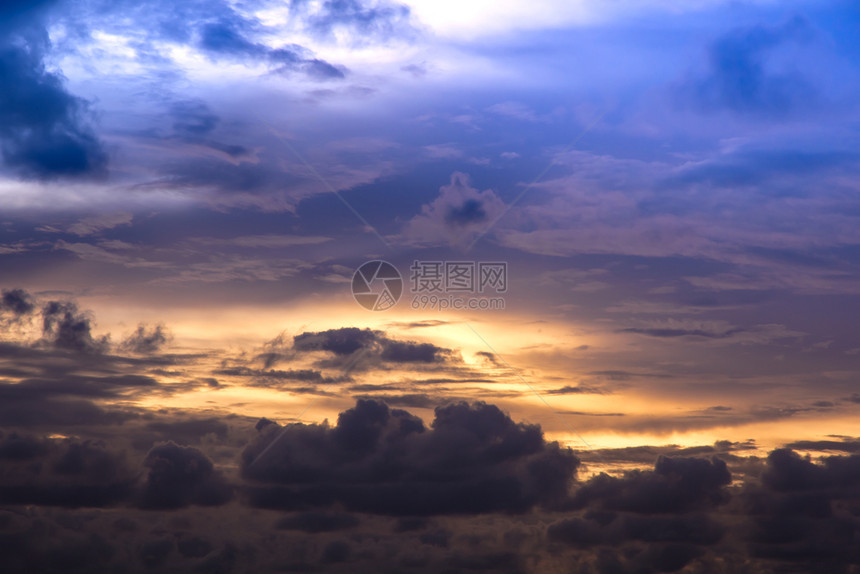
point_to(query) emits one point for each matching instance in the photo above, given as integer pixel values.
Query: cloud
(16, 301)
(276, 378)
(193, 118)
(474, 459)
(54, 373)
(788, 471)
(315, 522)
(263, 241)
(86, 386)
(850, 446)
(677, 484)
(375, 346)
(227, 37)
(797, 514)
(517, 111)
(739, 77)
(44, 132)
(53, 413)
(752, 165)
(180, 476)
(146, 342)
(456, 217)
(188, 431)
(63, 473)
(98, 223)
(656, 520)
(67, 328)
(677, 332)
(378, 19)
(579, 390)
(343, 341)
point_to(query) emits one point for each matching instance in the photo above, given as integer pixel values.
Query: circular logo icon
(377, 285)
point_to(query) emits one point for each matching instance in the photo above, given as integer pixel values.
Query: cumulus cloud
(65, 327)
(456, 217)
(180, 476)
(677, 484)
(473, 459)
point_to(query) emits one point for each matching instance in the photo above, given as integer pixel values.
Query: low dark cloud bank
(474, 458)
(379, 490)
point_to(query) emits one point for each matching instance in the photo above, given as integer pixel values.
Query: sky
(429, 286)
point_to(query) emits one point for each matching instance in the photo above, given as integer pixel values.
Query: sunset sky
(188, 188)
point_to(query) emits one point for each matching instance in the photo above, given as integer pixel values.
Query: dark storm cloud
(145, 341)
(788, 471)
(17, 448)
(68, 473)
(343, 341)
(474, 459)
(43, 129)
(348, 340)
(67, 328)
(17, 301)
(801, 513)
(180, 476)
(800, 516)
(410, 352)
(677, 484)
(52, 472)
(739, 78)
